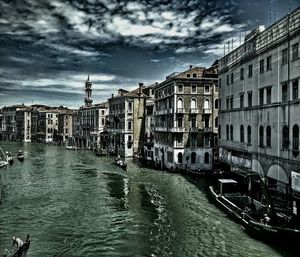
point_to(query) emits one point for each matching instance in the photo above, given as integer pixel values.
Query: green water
(75, 204)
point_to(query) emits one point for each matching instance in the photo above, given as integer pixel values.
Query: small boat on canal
(10, 158)
(20, 156)
(119, 162)
(22, 251)
(258, 219)
(205, 173)
(3, 159)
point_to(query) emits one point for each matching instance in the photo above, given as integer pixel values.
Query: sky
(48, 47)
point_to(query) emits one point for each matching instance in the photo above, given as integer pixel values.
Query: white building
(260, 104)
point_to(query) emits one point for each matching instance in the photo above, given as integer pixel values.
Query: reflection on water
(75, 204)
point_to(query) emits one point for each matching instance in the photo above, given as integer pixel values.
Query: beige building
(65, 126)
(259, 91)
(9, 125)
(186, 119)
(127, 122)
(23, 125)
(92, 124)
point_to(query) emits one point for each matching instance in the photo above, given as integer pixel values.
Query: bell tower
(88, 92)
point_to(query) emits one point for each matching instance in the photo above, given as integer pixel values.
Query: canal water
(75, 204)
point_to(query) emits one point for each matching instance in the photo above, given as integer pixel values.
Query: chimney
(191, 66)
(140, 88)
(112, 95)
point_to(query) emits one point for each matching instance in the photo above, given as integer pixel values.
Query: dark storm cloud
(48, 47)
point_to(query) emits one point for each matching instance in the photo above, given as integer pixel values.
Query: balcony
(207, 111)
(194, 129)
(207, 130)
(160, 129)
(180, 110)
(180, 129)
(193, 111)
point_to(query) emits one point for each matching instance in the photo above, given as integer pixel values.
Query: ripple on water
(75, 204)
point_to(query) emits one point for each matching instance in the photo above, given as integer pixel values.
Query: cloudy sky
(47, 47)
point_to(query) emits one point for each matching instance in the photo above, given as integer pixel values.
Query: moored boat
(256, 218)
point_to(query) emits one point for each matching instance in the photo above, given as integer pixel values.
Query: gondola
(3, 159)
(10, 158)
(22, 251)
(204, 173)
(20, 156)
(119, 162)
(252, 214)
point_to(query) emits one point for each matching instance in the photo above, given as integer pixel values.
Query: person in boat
(20, 153)
(18, 242)
(266, 219)
(27, 239)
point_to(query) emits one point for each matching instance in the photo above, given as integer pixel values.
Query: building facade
(259, 91)
(9, 126)
(127, 122)
(23, 125)
(186, 119)
(65, 126)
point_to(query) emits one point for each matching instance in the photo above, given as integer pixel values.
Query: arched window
(193, 157)
(295, 140)
(219, 131)
(249, 134)
(217, 104)
(268, 136)
(216, 122)
(206, 157)
(242, 133)
(179, 103)
(179, 157)
(193, 103)
(231, 132)
(227, 132)
(206, 104)
(285, 137)
(261, 135)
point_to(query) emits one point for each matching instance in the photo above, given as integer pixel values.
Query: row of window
(193, 157)
(262, 65)
(194, 103)
(265, 95)
(265, 138)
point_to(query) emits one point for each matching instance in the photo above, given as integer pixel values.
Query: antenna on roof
(274, 9)
(289, 6)
(271, 12)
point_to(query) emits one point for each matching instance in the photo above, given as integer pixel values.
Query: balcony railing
(207, 130)
(194, 129)
(207, 111)
(178, 129)
(180, 110)
(193, 110)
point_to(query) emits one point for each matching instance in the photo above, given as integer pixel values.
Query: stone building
(148, 153)
(23, 125)
(259, 101)
(127, 122)
(92, 123)
(9, 126)
(186, 119)
(65, 126)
